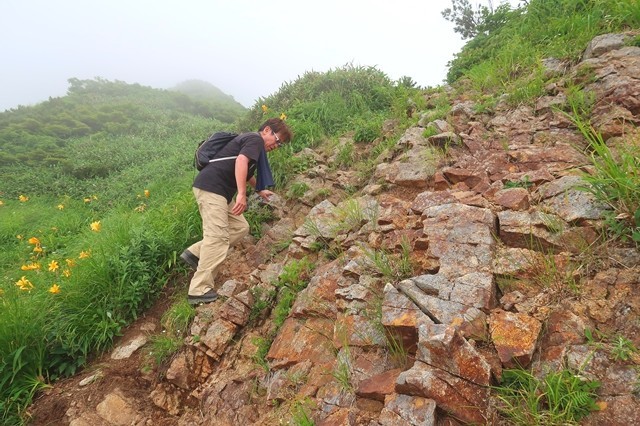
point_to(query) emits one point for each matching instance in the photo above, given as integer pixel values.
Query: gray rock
(602, 44)
(126, 350)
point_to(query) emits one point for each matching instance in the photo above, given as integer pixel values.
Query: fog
(246, 48)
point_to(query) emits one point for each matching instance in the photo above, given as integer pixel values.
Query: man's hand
(265, 194)
(241, 204)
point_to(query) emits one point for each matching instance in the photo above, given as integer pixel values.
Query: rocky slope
(429, 281)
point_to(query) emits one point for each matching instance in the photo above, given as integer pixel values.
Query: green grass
(300, 413)
(615, 180)
(560, 398)
(506, 57)
(297, 190)
(393, 267)
(178, 317)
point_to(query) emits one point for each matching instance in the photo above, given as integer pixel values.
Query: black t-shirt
(219, 177)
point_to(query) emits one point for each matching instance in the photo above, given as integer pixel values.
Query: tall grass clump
(560, 398)
(392, 267)
(615, 180)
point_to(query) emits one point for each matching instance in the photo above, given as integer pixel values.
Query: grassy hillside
(225, 105)
(505, 56)
(43, 135)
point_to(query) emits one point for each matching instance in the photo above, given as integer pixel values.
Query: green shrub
(367, 132)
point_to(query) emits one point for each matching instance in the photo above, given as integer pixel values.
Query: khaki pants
(221, 229)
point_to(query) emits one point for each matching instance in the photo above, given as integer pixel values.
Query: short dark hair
(278, 126)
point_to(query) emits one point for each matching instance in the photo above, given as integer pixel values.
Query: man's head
(275, 133)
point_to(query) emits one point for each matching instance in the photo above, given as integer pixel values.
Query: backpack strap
(223, 158)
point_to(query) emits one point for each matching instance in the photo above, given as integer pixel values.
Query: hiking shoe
(209, 296)
(190, 259)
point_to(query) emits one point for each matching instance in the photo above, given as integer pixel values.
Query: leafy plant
(429, 131)
(263, 300)
(394, 343)
(177, 318)
(342, 374)
(342, 371)
(618, 347)
(263, 345)
(345, 156)
(622, 348)
(327, 244)
(350, 216)
(559, 398)
(256, 215)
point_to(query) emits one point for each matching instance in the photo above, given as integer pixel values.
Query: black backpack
(208, 148)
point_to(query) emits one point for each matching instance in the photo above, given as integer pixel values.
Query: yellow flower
(71, 262)
(24, 284)
(66, 273)
(32, 240)
(60, 207)
(142, 207)
(53, 266)
(283, 116)
(86, 200)
(31, 266)
(23, 198)
(54, 289)
(264, 108)
(95, 197)
(1, 203)
(37, 249)
(85, 254)
(96, 226)
(20, 237)
(147, 193)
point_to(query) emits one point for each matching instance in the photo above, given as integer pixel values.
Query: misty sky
(247, 48)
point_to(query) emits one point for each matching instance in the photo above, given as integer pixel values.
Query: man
(214, 188)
